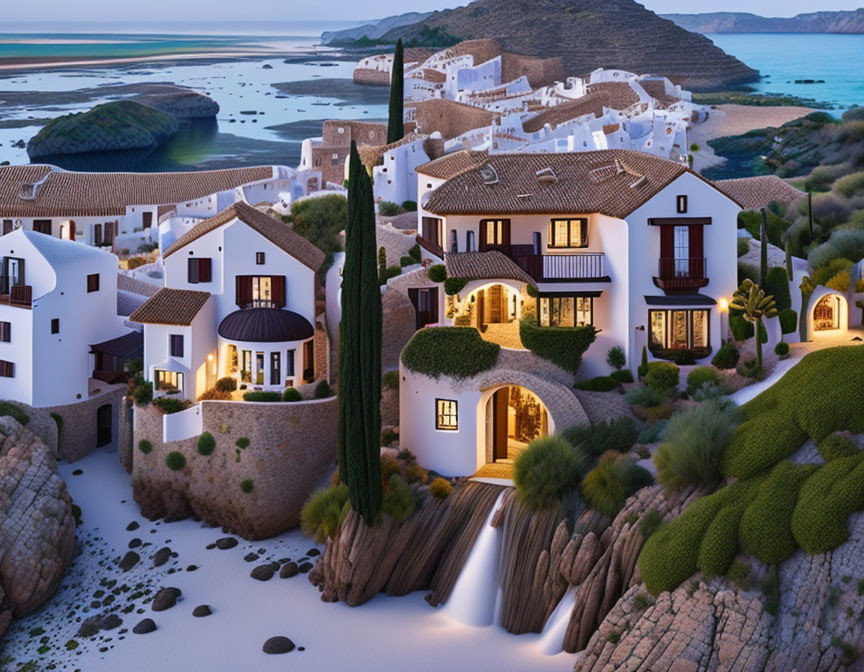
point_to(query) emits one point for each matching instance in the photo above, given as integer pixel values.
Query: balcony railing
(14, 294)
(562, 267)
(676, 273)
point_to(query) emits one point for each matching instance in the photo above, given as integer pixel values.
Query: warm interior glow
(724, 304)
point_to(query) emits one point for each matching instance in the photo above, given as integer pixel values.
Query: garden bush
(457, 352)
(389, 272)
(388, 209)
(662, 376)
(616, 358)
(650, 523)
(622, 376)
(606, 488)
(824, 274)
(407, 260)
(719, 544)
(175, 460)
(398, 500)
(850, 185)
(618, 435)
(454, 285)
(598, 384)
(169, 405)
(842, 244)
(708, 391)
(546, 471)
(214, 394)
(145, 446)
(693, 444)
(289, 394)
(390, 380)
(416, 474)
(388, 436)
(743, 246)
(266, 396)
(226, 384)
(699, 376)
(777, 285)
(243, 442)
(727, 356)
(320, 220)
(834, 446)
(781, 349)
(14, 411)
(642, 369)
(206, 444)
(437, 273)
(646, 396)
(322, 391)
(563, 346)
(143, 394)
(788, 321)
(323, 512)
(652, 433)
(440, 488)
(409, 206)
(247, 485)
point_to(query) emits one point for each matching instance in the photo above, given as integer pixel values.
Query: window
(469, 242)
(5, 332)
(97, 234)
(146, 219)
(92, 283)
(168, 381)
(42, 226)
(260, 291)
(565, 233)
(233, 360)
(275, 366)
(246, 366)
(454, 240)
(289, 364)
(679, 330)
(175, 345)
(681, 204)
(7, 369)
(566, 311)
(259, 368)
(200, 270)
(433, 231)
(446, 416)
(7, 226)
(259, 258)
(494, 232)
(55, 325)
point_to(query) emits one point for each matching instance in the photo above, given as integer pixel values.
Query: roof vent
(641, 182)
(488, 174)
(29, 190)
(546, 175)
(524, 196)
(619, 167)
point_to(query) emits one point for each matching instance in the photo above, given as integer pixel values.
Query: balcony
(578, 267)
(12, 294)
(681, 274)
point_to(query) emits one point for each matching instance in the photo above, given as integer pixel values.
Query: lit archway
(514, 416)
(829, 312)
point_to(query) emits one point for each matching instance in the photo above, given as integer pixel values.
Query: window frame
(442, 412)
(173, 341)
(558, 297)
(199, 270)
(161, 385)
(7, 369)
(5, 332)
(583, 233)
(681, 204)
(668, 325)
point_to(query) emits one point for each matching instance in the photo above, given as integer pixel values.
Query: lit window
(566, 311)
(568, 233)
(679, 330)
(446, 414)
(168, 381)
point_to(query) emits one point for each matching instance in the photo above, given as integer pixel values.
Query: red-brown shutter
(505, 232)
(278, 284)
(244, 290)
(667, 251)
(484, 226)
(205, 270)
(697, 252)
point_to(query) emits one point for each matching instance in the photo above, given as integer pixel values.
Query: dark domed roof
(265, 325)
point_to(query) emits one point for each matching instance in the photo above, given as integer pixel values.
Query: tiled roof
(171, 306)
(591, 104)
(274, 230)
(66, 193)
(493, 265)
(125, 283)
(620, 95)
(757, 192)
(450, 165)
(610, 182)
(128, 346)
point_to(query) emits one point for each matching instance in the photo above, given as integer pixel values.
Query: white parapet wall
(183, 424)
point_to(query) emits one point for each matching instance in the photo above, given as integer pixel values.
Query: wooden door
(500, 409)
(481, 310)
(497, 310)
(104, 425)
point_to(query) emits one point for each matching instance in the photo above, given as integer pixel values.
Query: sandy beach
(735, 120)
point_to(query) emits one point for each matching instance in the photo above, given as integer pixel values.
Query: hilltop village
(565, 305)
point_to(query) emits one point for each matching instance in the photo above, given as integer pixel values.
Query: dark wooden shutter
(505, 232)
(277, 282)
(244, 290)
(194, 276)
(433, 297)
(697, 252)
(667, 251)
(484, 228)
(205, 270)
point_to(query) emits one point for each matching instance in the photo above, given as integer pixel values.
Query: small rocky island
(142, 122)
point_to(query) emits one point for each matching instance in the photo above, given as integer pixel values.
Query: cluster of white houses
(635, 245)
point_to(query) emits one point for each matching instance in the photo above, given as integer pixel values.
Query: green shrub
(206, 444)
(437, 273)
(145, 446)
(546, 471)
(788, 321)
(143, 394)
(263, 396)
(440, 488)
(407, 260)
(388, 436)
(741, 329)
(662, 376)
(454, 285)
(777, 285)
(563, 346)
(247, 485)
(618, 435)
(598, 384)
(457, 352)
(243, 442)
(175, 460)
(389, 272)
(643, 366)
(834, 446)
(169, 405)
(719, 544)
(699, 376)
(693, 444)
(320, 220)
(398, 500)
(622, 376)
(646, 396)
(781, 349)
(324, 511)
(824, 274)
(652, 433)
(409, 206)
(322, 391)
(226, 384)
(850, 185)
(727, 356)
(650, 523)
(743, 246)
(616, 358)
(390, 380)
(13, 411)
(606, 488)
(416, 474)
(766, 526)
(289, 394)
(388, 209)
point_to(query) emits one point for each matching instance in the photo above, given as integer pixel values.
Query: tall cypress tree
(763, 249)
(395, 122)
(360, 351)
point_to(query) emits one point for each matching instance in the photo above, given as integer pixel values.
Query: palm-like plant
(751, 301)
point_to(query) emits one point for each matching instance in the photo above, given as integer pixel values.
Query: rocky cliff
(739, 22)
(179, 102)
(588, 34)
(37, 525)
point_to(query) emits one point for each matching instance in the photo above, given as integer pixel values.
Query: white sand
(388, 633)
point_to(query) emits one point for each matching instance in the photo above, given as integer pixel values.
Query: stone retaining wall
(292, 450)
(371, 77)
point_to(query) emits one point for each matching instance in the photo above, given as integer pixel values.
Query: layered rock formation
(850, 22)
(37, 525)
(588, 34)
(179, 102)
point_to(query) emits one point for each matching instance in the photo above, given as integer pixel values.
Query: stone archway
(829, 312)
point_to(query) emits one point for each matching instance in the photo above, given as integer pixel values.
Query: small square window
(446, 414)
(259, 258)
(681, 204)
(92, 283)
(55, 325)
(5, 332)
(176, 345)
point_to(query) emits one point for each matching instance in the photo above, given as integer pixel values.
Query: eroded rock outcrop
(37, 526)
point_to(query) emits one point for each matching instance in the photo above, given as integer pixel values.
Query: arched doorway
(515, 416)
(826, 313)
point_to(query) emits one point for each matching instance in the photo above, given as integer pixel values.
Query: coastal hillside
(851, 22)
(588, 34)
(373, 30)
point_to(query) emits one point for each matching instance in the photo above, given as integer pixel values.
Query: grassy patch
(457, 352)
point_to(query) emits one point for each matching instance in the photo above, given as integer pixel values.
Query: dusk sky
(286, 10)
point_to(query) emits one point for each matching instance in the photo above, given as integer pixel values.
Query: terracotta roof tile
(67, 193)
(277, 232)
(620, 94)
(171, 306)
(452, 164)
(757, 192)
(493, 265)
(559, 114)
